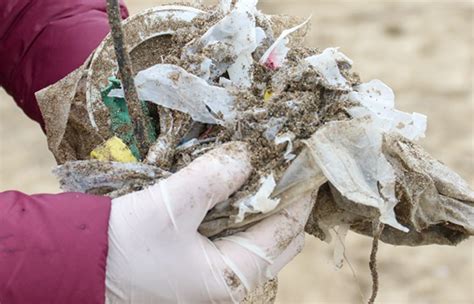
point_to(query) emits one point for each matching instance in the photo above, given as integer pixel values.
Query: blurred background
(424, 50)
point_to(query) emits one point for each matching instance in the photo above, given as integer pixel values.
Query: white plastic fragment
(326, 64)
(203, 69)
(247, 5)
(189, 144)
(274, 57)
(261, 201)
(378, 101)
(225, 6)
(350, 155)
(287, 137)
(172, 87)
(86, 175)
(274, 126)
(260, 35)
(237, 35)
(156, 151)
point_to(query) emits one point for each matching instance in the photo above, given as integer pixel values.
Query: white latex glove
(156, 254)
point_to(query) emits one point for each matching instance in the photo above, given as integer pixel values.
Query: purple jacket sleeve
(41, 41)
(53, 248)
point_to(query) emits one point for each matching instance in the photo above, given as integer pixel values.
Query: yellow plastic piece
(268, 94)
(113, 150)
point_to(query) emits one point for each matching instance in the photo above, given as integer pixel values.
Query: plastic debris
(148, 25)
(103, 177)
(350, 155)
(236, 37)
(113, 150)
(120, 122)
(326, 64)
(201, 80)
(322, 133)
(172, 87)
(225, 5)
(267, 95)
(276, 54)
(273, 127)
(378, 101)
(302, 176)
(436, 194)
(438, 206)
(261, 201)
(287, 138)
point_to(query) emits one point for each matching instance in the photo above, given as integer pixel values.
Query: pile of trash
(210, 75)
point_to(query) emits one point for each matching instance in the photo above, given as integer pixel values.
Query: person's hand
(156, 254)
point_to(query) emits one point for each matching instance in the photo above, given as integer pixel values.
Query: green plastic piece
(121, 123)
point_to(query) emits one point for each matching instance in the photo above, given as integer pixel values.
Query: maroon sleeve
(41, 41)
(53, 248)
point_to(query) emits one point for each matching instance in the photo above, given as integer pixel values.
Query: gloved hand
(156, 254)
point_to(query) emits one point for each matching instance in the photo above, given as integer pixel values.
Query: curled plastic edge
(378, 102)
(172, 87)
(261, 201)
(350, 155)
(274, 57)
(327, 65)
(287, 137)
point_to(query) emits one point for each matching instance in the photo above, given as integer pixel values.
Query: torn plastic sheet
(288, 138)
(327, 65)
(378, 101)
(203, 69)
(434, 194)
(303, 175)
(236, 35)
(434, 202)
(350, 155)
(104, 177)
(261, 201)
(172, 87)
(247, 5)
(276, 53)
(274, 126)
(225, 6)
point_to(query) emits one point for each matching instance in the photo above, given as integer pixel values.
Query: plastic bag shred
(172, 87)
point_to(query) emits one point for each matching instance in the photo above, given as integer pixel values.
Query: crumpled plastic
(276, 53)
(106, 177)
(378, 102)
(435, 203)
(236, 37)
(288, 139)
(349, 154)
(261, 201)
(327, 65)
(172, 87)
